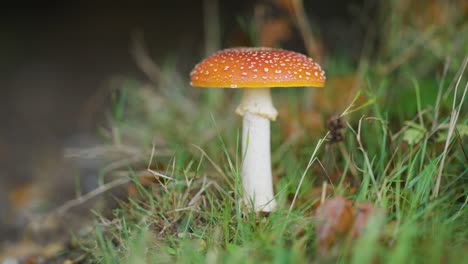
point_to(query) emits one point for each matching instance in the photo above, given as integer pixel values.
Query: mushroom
(256, 70)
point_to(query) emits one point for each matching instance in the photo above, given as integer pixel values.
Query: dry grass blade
(366, 159)
(88, 196)
(217, 168)
(453, 121)
(143, 60)
(313, 46)
(155, 173)
(439, 95)
(312, 159)
(407, 54)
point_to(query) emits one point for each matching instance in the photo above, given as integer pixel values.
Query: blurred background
(60, 62)
(58, 59)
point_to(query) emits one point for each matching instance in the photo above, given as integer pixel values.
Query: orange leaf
(364, 211)
(335, 219)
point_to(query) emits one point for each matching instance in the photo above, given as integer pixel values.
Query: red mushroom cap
(257, 68)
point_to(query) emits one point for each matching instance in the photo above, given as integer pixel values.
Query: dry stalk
(366, 159)
(453, 122)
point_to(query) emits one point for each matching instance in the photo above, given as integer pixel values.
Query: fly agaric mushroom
(257, 70)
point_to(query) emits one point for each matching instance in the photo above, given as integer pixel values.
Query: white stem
(257, 101)
(256, 168)
(258, 110)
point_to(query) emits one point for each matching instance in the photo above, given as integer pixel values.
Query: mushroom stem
(257, 110)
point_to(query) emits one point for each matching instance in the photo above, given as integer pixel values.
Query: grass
(404, 151)
(194, 216)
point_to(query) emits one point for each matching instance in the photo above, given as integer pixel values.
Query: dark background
(58, 56)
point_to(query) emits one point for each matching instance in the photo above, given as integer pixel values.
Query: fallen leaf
(364, 211)
(144, 181)
(316, 193)
(298, 123)
(24, 196)
(30, 251)
(335, 219)
(313, 123)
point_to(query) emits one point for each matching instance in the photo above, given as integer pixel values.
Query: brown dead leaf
(30, 251)
(312, 122)
(338, 218)
(332, 100)
(24, 195)
(464, 7)
(335, 219)
(292, 124)
(145, 181)
(317, 192)
(364, 211)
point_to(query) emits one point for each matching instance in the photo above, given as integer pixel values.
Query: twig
(324, 192)
(324, 171)
(460, 141)
(88, 196)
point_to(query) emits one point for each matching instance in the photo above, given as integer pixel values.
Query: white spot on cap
(233, 85)
(226, 68)
(265, 69)
(277, 71)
